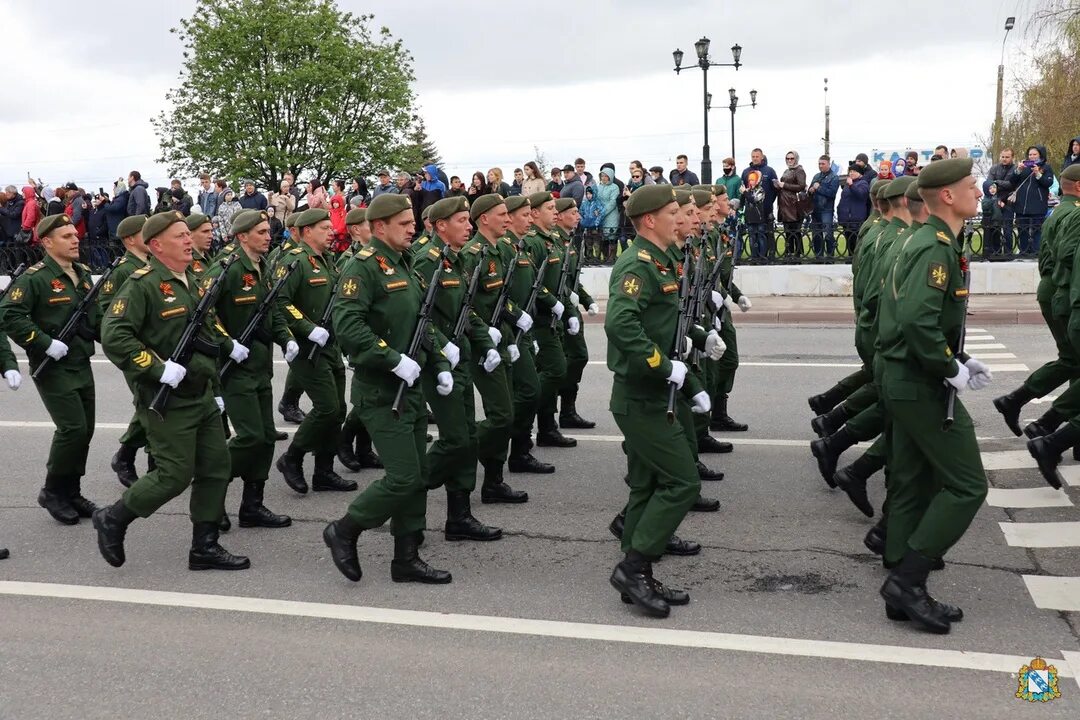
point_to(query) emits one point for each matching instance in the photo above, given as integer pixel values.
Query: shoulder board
(474, 249)
(122, 261)
(433, 252)
(34, 268)
(531, 232)
(423, 240)
(365, 253)
(296, 251)
(84, 267)
(644, 256)
(507, 241)
(140, 272)
(229, 249)
(943, 238)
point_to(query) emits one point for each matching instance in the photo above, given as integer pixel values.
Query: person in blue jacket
(1032, 180)
(823, 188)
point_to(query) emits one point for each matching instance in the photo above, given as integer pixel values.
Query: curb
(846, 318)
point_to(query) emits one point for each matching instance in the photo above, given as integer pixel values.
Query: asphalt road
(785, 616)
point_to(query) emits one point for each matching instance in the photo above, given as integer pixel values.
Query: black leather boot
(905, 592)
(828, 450)
(671, 595)
(721, 420)
(708, 444)
(364, 453)
(224, 524)
(494, 490)
(408, 567)
(616, 525)
(82, 506)
(827, 400)
(875, 540)
(291, 467)
(523, 461)
(56, 498)
(4, 554)
(324, 477)
(207, 554)
(568, 416)
(830, 422)
(704, 504)
(1046, 424)
(123, 464)
(341, 536)
(1010, 406)
(280, 435)
(345, 452)
(677, 546)
(631, 578)
(1047, 451)
(460, 523)
(111, 524)
(291, 412)
(548, 435)
(852, 480)
(706, 473)
(252, 511)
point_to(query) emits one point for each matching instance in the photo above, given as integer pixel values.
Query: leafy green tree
(269, 87)
(418, 150)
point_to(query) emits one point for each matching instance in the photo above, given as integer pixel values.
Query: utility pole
(1010, 22)
(827, 117)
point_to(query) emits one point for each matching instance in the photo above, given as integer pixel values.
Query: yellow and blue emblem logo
(1038, 682)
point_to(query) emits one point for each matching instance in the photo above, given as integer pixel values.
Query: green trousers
(577, 357)
(526, 386)
(862, 399)
(700, 423)
(249, 400)
(67, 391)
(293, 389)
(729, 361)
(550, 365)
(868, 423)
(936, 480)
(324, 383)
(662, 473)
(451, 459)
(188, 445)
(400, 495)
(854, 381)
(1067, 365)
(493, 432)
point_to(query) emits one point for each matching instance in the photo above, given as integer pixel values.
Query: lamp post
(701, 48)
(733, 104)
(1010, 22)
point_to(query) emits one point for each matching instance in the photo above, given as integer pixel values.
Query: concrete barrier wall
(1006, 278)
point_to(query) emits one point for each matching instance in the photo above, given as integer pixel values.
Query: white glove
(407, 370)
(14, 379)
(525, 322)
(687, 348)
(702, 403)
(717, 298)
(536, 348)
(452, 353)
(220, 404)
(960, 379)
(515, 354)
(594, 309)
(172, 374)
(495, 335)
(491, 360)
(730, 304)
(291, 351)
(445, 383)
(678, 373)
(980, 374)
(574, 299)
(239, 353)
(558, 309)
(717, 323)
(744, 303)
(56, 350)
(319, 336)
(573, 326)
(714, 346)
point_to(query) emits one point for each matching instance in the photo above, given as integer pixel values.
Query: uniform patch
(942, 237)
(317, 281)
(365, 253)
(107, 288)
(938, 276)
(630, 285)
(655, 359)
(291, 309)
(221, 328)
(57, 285)
(118, 308)
(433, 252)
(244, 299)
(350, 288)
(493, 284)
(644, 255)
(523, 263)
(60, 300)
(450, 283)
(396, 285)
(381, 343)
(668, 288)
(280, 272)
(960, 292)
(553, 259)
(141, 272)
(143, 359)
(16, 295)
(248, 281)
(174, 312)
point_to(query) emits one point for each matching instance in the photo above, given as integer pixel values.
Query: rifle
(470, 294)
(561, 287)
(260, 314)
(72, 324)
(422, 323)
(185, 347)
(681, 329)
(324, 320)
(504, 292)
(14, 276)
(950, 393)
(530, 304)
(695, 292)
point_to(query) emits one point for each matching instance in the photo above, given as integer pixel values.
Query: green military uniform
(302, 301)
(729, 361)
(574, 345)
(33, 311)
(290, 395)
(548, 254)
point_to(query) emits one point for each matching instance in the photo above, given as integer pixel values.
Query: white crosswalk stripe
(1042, 535)
(1038, 497)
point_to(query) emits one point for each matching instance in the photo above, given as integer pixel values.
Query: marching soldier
(143, 326)
(32, 312)
(642, 316)
(577, 352)
(319, 370)
(246, 386)
(289, 405)
(936, 479)
(379, 296)
(9, 368)
(135, 257)
(451, 461)
(202, 235)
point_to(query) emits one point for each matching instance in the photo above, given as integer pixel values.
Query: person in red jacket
(339, 208)
(31, 213)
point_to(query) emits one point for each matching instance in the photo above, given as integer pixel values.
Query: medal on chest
(491, 268)
(57, 285)
(248, 281)
(384, 266)
(314, 265)
(167, 292)
(446, 266)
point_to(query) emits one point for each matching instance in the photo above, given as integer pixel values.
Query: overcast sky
(591, 79)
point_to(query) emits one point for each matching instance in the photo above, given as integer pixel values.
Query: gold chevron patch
(143, 359)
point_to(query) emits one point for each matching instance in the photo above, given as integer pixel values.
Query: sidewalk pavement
(790, 310)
